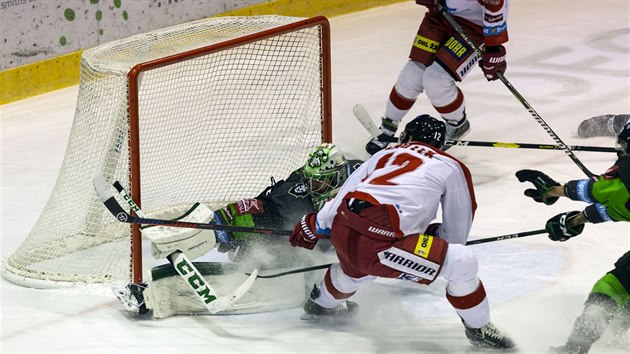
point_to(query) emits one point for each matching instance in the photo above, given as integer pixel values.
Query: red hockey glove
(493, 62)
(431, 5)
(304, 233)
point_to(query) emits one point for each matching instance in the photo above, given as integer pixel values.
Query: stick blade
(102, 187)
(365, 119)
(225, 302)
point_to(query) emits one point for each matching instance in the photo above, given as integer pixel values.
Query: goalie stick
(366, 121)
(473, 242)
(103, 190)
(516, 94)
(184, 267)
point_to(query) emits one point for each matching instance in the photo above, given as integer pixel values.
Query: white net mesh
(213, 127)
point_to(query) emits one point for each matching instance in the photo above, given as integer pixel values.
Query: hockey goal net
(205, 111)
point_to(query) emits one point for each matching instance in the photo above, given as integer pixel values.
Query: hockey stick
(184, 267)
(516, 94)
(366, 121)
(506, 237)
(473, 242)
(107, 197)
(498, 144)
(294, 271)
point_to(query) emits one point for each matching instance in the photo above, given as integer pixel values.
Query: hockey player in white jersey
(440, 57)
(381, 226)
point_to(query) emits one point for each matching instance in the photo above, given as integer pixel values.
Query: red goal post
(206, 111)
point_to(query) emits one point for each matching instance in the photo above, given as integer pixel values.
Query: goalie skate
(132, 298)
(488, 336)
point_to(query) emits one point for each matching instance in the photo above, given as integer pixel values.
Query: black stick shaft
(103, 190)
(499, 144)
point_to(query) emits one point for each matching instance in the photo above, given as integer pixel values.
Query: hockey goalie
(279, 206)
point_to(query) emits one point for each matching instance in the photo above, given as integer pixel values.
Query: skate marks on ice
(613, 41)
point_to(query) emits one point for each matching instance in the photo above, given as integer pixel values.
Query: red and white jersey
(416, 179)
(490, 14)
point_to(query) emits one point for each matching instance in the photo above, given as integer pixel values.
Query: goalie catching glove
(304, 234)
(559, 229)
(543, 184)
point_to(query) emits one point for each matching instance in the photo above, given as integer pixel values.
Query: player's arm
(607, 198)
(495, 34)
(458, 208)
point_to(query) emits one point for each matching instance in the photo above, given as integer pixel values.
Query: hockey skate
(315, 313)
(604, 125)
(488, 336)
(388, 130)
(132, 298)
(456, 132)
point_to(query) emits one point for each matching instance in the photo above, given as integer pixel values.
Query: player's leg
(467, 295)
(609, 297)
(454, 61)
(409, 84)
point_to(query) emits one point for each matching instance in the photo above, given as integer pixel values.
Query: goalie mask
(425, 129)
(325, 171)
(623, 140)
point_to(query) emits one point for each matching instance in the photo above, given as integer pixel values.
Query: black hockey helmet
(623, 140)
(425, 129)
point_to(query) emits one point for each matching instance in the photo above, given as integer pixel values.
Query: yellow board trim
(63, 71)
(40, 77)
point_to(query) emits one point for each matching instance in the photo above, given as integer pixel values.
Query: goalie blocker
(194, 243)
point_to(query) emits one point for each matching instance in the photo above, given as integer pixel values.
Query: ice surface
(569, 59)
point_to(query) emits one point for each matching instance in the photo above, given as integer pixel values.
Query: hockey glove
(304, 232)
(493, 61)
(432, 229)
(543, 184)
(431, 5)
(558, 228)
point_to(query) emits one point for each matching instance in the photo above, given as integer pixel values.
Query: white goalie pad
(193, 243)
(169, 296)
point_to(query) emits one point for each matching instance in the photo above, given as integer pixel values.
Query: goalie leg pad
(167, 294)
(192, 242)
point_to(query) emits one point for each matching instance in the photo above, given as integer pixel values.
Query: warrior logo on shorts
(409, 263)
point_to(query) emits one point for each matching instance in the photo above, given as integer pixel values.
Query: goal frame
(134, 116)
